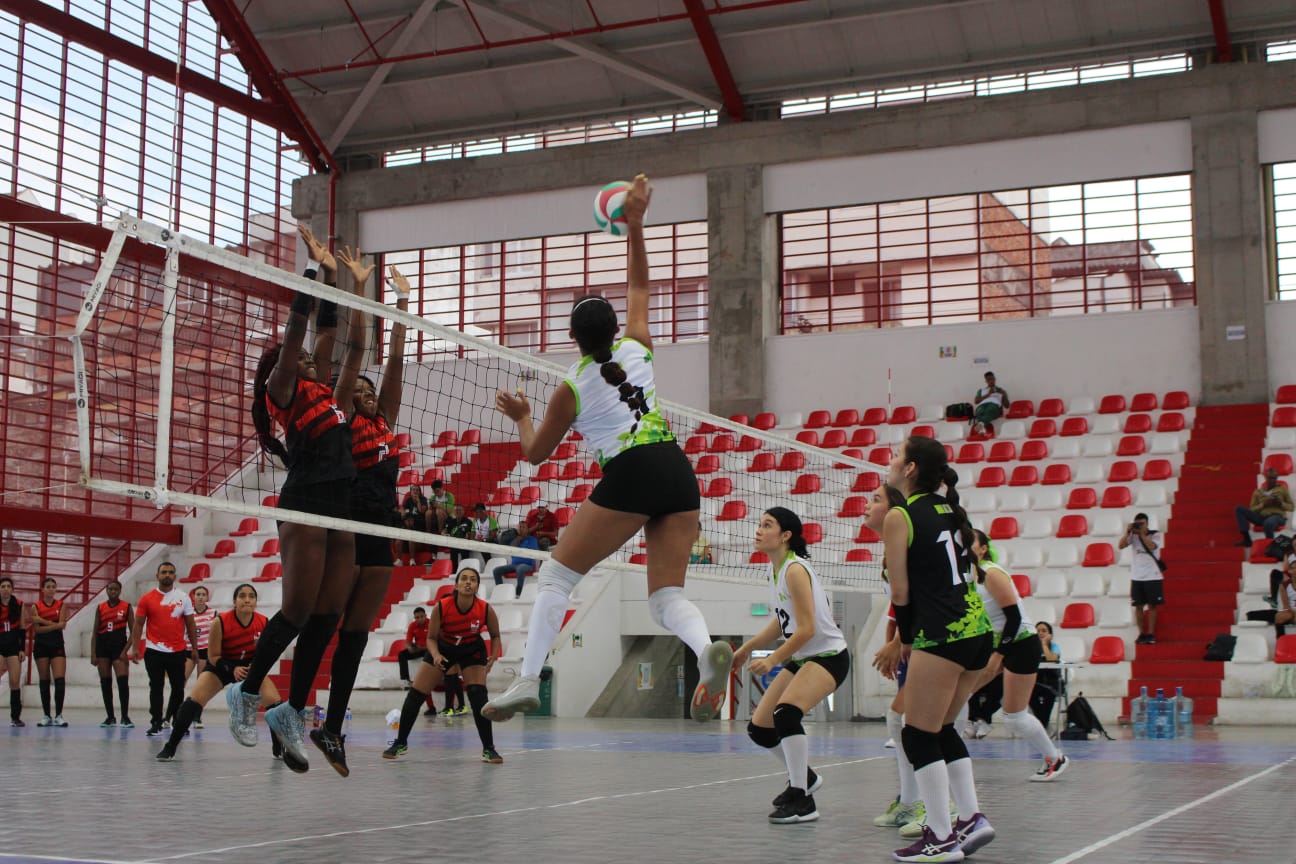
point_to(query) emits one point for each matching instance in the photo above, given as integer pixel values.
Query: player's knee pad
(763, 736)
(558, 578)
(477, 696)
(921, 748)
(787, 720)
(951, 744)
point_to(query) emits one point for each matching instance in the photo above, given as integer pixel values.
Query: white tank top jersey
(996, 613)
(603, 420)
(828, 637)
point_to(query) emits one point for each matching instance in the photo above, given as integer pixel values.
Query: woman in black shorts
(48, 620)
(110, 651)
(373, 500)
(610, 397)
(203, 616)
(947, 637)
(454, 639)
(318, 563)
(231, 642)
(13, 642)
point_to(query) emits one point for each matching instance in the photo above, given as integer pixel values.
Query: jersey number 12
(952, 543)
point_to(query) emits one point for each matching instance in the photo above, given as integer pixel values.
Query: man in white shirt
(1146, 582)
(989, 404)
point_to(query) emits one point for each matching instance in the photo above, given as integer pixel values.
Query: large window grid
(1049, 251)
(519, 292)
(1282, 178)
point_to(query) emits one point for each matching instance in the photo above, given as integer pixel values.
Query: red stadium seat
(269, 548)
(1074, 427)
(1099, 555)
(401, 440)
(1114, 404)
(270, 572)
(808, 436)
(970, 454)
(708, 428)
(846, 417)
(923, 431)
(470, 438)
(834, 439)
(867, 535)
(1043, 429)
(1077, 616)
(793, 460)
(1022, 583)
(448, 438)
(818, 420)
(1051, 408)
(594, 471)
(1259, 552)
(1082, 498)
(433, 474)
(1285, 649)
(740, 419)
(990, 477)
(1122, 471)
(849, 453)
(564, 516)
(708, 463)
(1286, 395)
(1138, 424)
(1131, 445)
(695, 444)
(528, 495)
(246, 527)
(733, 511)
(748, 444)
(758, 558)
(722, 443)
(451, 457)
(564, 451)
(1175, 400)
(572, 471)
(864, 437)
(853, 507)
(393, 653)
(812, 532)
(1073, 525)
(1143, 402)
(502, 496)
(761, 462)
(866, 482)
(1003, 451)
(270, 501)
(407, 458)
(579, 493)
(859, 556)
(873, 417)
(1107, 649)
(1115, 497)
(1056, 475)
(1024, 475)
(806, 484)
(1020, 410)
(440, 568)
(1033, 451)
(223, 548)
(407, 478)
(1171, 421)
(639, 558)
(765, 421)
(880, 456)
(1158, 469)
(904, 415)
(442, 590)
(1284, 417)
(575, 436)
(198, 572)
(1003, 528)
(547, 471)
(1281, 462)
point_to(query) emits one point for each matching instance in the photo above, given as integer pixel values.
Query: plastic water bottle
(1183, 714)
(346, 723)
(1162, 717)
(317, 716)
(1139, 713)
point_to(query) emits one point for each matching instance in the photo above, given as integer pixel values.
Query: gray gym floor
(620, 791)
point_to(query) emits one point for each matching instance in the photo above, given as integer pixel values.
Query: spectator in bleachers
(458, 525)
(13, 643)
(989, 404)
(1048, 681)
(485, 528)
(442, 496)
(701, 551)
(1270, 505)
(520, 566)
(1285, 613)
(1146, 584)
(544, 525)
(415, 512)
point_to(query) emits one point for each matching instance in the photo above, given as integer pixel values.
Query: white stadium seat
(1081, 405)
(1047, 498)
(1087, 583)
(1097, 448)
(1062, 553)
(1251, 648)
(1089, 473)
(1048, 585)
(1105, 424)
(1036, 526)
(1065, 448)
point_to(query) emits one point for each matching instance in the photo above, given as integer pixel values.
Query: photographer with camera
(1270, 505)
(1146, 581)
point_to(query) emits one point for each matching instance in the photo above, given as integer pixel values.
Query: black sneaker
(801, 808)
(334, 749)
(813, 782)
(127, 723)
(492, 756)
(108, 722)
(397, 748)
(276, 746)
(167, 753)
(1151, 639)
(154, 729)
(431, 712)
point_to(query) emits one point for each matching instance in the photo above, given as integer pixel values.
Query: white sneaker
(60, 722)
(522, 695)
(713, 681)
(890, 744)
(1052, 768)
(982, 729)
(45, 721)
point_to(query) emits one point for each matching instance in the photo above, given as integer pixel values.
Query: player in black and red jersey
(455, 638)
(110, 652)
(48, 620)
(318, 563)
(13, 642)
(203, 615)
(231, 642)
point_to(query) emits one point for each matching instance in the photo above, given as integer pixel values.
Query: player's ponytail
(260, 414)
(594, 326)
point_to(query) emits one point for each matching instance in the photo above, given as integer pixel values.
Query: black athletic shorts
(1023, 656)
(838, 665)
(224, 670)
(202, 653)
(468, 654)
(109, 646)
(329, 498)
(371, 551)
(46, 651)
(971, 653)
(11, 645)
(651, 480)
(1147, 592)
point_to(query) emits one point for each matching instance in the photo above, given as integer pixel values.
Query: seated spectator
(459, 526)
(544, 525)
(1270, 505)
(520, 567)
(484, 525)
(442, 496)
(701, 551)
(1048, 682)
(1282, 599)
(988, 405)
(413, 515)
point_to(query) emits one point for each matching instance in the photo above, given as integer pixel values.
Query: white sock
(961, 720)
(672, 610)
(546, 621)
(962, 787)
(908, 788)
(796, 753)
(777, 752)
(934, 787)
(1028, 726)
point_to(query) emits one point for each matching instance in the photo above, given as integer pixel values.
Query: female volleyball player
(813, 656)
(610, 397)
(231, 641)
(454, 639)
(13, 638)
(373, 500)
(318, 563)
(48, 620)
(110, 652)
(203, 615)
(941, 620)
(1018, 656)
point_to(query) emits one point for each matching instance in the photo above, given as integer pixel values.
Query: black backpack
(959, 411)
(1081, 721)
(1221, 647)
(1279, 548)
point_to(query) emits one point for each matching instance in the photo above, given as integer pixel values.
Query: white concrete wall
(1280, 330)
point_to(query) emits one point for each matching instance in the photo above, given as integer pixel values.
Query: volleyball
(393, 718)
(608, 208)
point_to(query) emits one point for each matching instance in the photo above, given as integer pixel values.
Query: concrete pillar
(742, 277)
(1228, 229)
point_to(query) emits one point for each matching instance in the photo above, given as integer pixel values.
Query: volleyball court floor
(620, 791)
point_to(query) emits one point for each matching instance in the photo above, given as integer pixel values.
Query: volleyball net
(164, 357)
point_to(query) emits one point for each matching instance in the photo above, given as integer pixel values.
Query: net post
(166, 372)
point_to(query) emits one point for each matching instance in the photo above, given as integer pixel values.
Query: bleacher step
(1196, 669)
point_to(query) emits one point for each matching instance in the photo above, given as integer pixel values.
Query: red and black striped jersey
(11, 616)
(372, 441)
(316, 434)
(113, 618)
(459, 627)
(238, 642)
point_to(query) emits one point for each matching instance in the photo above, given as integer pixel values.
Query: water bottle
(317, 716)
(346, 723)
(1162, 718)
(1139, 713)
(1184, 713)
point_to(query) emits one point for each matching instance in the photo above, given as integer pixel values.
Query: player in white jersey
(813, 655)
(1017, 655)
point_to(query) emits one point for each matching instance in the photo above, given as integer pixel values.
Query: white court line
(404, 826)
(1169, 814)
(64, 859)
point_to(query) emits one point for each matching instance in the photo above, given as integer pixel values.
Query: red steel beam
(706, 35)
(83, 525)
(1219, 21)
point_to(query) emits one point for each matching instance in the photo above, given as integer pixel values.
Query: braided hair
(789, 521)
(260, 414)
(929, 457)
(593, 326)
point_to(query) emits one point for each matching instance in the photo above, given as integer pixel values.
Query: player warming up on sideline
(610, 397)
(48, 619)
(203, 615)
(318, 563)
(813, 656)
(13, 638)
(454, 639)
(110, 652)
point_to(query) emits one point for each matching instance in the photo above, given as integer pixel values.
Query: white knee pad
(1018, 723)
(558, 578)
(660, 604)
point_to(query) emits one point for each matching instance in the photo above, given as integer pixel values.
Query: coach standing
(168, 615)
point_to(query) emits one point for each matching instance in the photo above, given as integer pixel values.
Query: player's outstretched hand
(512, 405)
(318, 251)
(636, 200)
(354, 263)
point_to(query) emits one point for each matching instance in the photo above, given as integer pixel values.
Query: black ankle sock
(15, 704)
(312, 642)
(275, 638)
(346, 664)
(485, 730)
(123, 694)
(409, 713)
(105, 687)
(183, 720)
(45, 696)
(453, 690)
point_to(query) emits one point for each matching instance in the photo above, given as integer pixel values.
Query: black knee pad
(763, 736)
(787, 720)
(921, 748)
(477, 696)
(951, 744)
